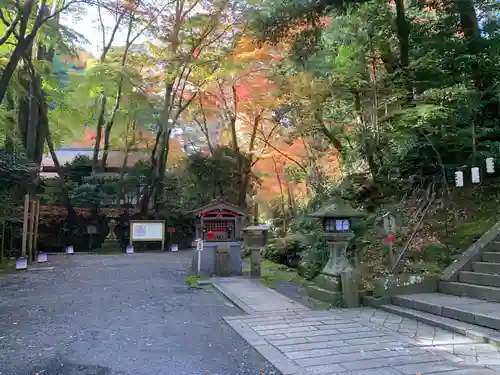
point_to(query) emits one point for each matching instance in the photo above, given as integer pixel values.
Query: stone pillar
(350, 283)
(255, 262)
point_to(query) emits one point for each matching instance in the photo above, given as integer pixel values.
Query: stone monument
(336, 220)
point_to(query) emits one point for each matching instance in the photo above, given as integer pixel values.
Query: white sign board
(147, 230)
(389, 223)
(199, 245)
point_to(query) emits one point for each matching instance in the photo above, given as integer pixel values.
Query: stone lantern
(336, 220)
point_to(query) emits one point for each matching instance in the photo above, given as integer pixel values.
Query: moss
(271, 273)
(7, 266)
(192, 281)
(466, 232)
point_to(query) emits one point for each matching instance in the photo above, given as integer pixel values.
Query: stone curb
(266, 350)
(230, 296)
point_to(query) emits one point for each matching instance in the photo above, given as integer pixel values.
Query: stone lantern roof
(338, 210)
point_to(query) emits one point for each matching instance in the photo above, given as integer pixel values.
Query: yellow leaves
(248, 49)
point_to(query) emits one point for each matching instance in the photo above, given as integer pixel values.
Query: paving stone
(363, 364)
(325, 369)
(311, 353)
(370, 347)
(322, 338)
(290, 332)
(322, 319)
(276, 337)
(298, 340)
(339, 358)
(379, 371)
(356, 335)
(471, 371)
(311, 333)
(370, 340)
(353, 329)
(426, 368)
(343, 325)
(267, 327)
(306, 324)
(400, 351)
(314, 345)
(337, 321)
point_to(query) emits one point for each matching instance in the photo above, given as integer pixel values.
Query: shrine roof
(217, 204)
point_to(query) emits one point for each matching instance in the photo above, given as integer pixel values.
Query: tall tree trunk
(118, 97)
(246, 165)
(10, 67)
(282, 195)
(131, 129)
(98, 134)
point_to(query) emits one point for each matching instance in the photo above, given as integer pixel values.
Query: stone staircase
(483, 279)
(468, 300)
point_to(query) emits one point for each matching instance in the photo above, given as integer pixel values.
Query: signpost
(199, 249)
(91, 230)
(390, 230)
(147, 230)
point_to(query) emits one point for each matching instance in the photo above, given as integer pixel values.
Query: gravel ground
(118, 315)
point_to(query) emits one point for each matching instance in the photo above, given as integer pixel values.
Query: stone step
(479, 278)
(491, 257)
(481, 292)
(477, 333)
(493, 246)
(485, 267)
(468, 310)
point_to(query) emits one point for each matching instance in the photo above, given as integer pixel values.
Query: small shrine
(218, 221)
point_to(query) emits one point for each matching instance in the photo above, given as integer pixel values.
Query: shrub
(286, 250)
(313, 260)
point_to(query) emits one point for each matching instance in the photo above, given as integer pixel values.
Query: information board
(147, 230)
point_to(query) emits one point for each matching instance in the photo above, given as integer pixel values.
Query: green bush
(313, 260)
(286, 250)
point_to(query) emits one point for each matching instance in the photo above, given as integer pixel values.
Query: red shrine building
(218, 221)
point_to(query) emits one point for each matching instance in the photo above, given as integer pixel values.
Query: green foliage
(15, 169)
(212, 176)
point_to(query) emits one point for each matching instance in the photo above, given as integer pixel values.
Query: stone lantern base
(326, 289)
(328, 283)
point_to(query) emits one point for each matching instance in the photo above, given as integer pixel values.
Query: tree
(191, 44)
(241, 99)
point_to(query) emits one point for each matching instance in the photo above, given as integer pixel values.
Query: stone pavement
(362, 341)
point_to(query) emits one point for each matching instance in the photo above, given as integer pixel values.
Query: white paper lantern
(475, 175)
(69, 250)
(129, 249)
(21, 263)
(42, 257)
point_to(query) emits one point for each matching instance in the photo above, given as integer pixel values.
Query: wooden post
(37, 218)
(25, 224)
(31, 230)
